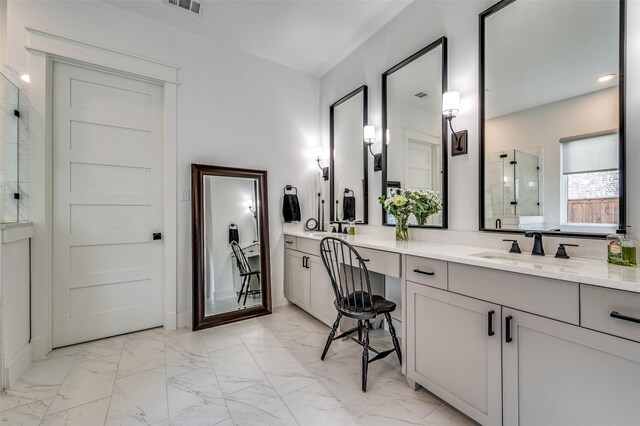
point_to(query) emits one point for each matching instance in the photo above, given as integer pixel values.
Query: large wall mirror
(348, 180)
(414, 141)
(552, 117)
(231, 267)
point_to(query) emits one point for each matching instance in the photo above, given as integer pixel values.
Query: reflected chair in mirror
(352, 288)
(245, 273)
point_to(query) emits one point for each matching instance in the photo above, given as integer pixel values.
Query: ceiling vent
(189, 5)
(421, 95)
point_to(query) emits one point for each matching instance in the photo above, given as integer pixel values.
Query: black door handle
(508, 338)
(304, 261)
(157, 236)
(490, 314)
(615, 314)
(418, 271)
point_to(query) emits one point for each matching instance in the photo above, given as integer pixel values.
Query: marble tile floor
(263, 371)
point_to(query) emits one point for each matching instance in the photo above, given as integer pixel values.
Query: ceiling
(539, 52)
(311, 36)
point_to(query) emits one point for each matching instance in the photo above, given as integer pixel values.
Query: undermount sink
(541, 262)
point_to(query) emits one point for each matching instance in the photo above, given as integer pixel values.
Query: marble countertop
(585, 271)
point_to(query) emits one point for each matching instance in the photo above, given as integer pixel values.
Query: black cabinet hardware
(615, 314)
(366, 260)
(157, 236)
(288, 242)
(16, 113)
(507, 337)
(418, 271)
(490, 331)
(305, 262)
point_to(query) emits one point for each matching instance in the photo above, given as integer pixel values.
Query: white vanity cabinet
(307, 285)
(453, 350)
(560, 374)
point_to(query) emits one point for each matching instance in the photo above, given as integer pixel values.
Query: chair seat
(380, 305)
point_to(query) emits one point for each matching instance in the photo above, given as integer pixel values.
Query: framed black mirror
(414, 149)
(231, 265)
(349, 185)
(552, 129)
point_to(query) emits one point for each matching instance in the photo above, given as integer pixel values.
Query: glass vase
(402, 230)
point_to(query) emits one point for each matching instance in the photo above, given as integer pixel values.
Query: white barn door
(107, 203)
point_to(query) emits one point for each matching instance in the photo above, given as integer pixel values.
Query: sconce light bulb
(451, 103)
(369, 134)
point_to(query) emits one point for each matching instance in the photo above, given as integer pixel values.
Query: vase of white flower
(404, 203)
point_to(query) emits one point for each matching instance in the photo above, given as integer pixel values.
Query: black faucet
(538, 250)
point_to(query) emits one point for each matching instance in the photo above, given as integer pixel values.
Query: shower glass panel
(512, 188)
(9, 151)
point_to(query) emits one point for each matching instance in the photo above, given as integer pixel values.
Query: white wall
(418, 25)
(233, 109)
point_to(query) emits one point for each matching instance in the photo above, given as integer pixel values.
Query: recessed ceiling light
(606, 77)
(25, 78)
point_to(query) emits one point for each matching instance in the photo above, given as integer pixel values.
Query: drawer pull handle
(418, 271)
(490, 331)
(508, 338)
(615, 314)
(289, 242)
(366, 260)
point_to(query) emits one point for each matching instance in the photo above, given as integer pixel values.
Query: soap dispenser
(621, 250)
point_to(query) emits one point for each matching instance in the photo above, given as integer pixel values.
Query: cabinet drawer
(382, 262)
(537, 295)
(308, 245)
(290, 242)
(598, 303)
(427, 271)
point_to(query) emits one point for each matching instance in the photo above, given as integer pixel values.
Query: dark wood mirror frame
(200, 320)
(442, 41)
(621, 124)
(365, 154)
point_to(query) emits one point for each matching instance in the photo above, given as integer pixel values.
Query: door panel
(559, 374)
(321, 296)
(107, 202)
(297, 278)
(450, 352)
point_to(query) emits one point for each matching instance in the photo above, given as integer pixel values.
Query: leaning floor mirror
(231, 266)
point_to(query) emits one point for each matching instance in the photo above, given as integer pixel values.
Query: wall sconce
(451, 107)
(369, 139)
(325, 170)
(252, 210)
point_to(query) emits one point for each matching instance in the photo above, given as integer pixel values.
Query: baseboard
(279, 300)
(170, 320)
(184, 319)
(38, 348)
(17, 366)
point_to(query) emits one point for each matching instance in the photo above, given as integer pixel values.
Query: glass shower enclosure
(512, 188)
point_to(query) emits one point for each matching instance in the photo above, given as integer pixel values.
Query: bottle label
(615, 250)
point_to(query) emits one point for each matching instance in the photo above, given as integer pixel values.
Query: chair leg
(359, 330)
(392, 330)
(247, 291)
(336, 324)
(365, 355)
(244, 280)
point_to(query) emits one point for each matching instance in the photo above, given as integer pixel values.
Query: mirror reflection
(416, 153)
(231, 244)
(349, 163)
(551, 99)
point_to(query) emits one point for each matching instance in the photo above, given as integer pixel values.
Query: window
(590, 179)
